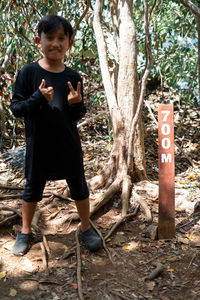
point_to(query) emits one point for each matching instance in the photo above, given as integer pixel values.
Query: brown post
(166, 221)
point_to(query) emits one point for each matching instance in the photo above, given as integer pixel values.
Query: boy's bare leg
(28, 210)
(83, 207)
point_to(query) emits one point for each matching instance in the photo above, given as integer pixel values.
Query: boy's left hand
(74, 96)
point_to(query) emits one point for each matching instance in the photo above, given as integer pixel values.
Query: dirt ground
(135, 253)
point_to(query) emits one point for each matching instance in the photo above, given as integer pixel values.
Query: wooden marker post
(166, 221)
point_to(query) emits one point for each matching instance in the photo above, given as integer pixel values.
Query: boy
(49, 96)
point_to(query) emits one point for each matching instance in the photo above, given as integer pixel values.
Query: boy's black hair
(51, 23)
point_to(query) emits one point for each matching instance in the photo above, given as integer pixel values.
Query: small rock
(151, 232)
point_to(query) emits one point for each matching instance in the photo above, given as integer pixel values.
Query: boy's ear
(38, 40)
(70, 44)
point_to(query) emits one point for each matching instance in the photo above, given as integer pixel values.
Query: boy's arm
(77, 109)
(22, 105)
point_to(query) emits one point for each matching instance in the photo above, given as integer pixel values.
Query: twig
(44, 257)
(46, 244)
(81, 18)
(151, 112)
(78, 253)
(103, 241)
(68, 254)
(92, 119)
(6, 219)
(120, 221)
(193, 257)
(62, 197)
(185, 224)
(152, 8)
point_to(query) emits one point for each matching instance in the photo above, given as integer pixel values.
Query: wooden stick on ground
(78, 253)
(193, 257)
(44, 257)
(62, 197)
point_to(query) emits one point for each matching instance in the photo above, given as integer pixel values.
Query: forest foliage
(174, 39)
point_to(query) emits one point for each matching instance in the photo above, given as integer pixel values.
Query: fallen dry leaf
(184, 247)
(133, 295)
(150, 285)
(13, 293)
(142, 226)
(130, 246)
(2, 274)
(183, 240)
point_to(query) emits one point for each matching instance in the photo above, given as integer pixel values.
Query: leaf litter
(135, 255)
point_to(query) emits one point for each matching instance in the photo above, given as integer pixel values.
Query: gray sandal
(23, 243)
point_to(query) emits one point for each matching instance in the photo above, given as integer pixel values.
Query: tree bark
(126, 163)
(198, 33)
(189, 4)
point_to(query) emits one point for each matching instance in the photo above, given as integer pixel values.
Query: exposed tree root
(103, 240)
(109, 193)
(149, 188)
(121, 221)
(7, 197)
(99, 180)
(95, 205)
(8, 218)
(11, 187)
(126, 191)
(156, 272)
(136, 198)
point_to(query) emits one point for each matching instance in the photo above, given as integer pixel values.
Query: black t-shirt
(53, 148)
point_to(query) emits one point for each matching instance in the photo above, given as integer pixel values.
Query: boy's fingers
(79, 88)
(42, 85)
(71, 87)
(50, 89)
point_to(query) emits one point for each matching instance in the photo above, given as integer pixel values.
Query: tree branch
(81, 18)
(143, 85)
(189, 4)
(102, 51)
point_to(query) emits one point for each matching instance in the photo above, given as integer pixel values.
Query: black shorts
(78, 189)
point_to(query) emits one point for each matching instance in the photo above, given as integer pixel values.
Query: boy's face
(54, 44)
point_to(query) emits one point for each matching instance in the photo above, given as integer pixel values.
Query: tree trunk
(127, 160)
(198, 33)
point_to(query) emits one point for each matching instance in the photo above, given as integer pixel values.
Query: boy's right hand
(46, 92)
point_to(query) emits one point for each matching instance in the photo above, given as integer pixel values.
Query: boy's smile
(54, 45)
